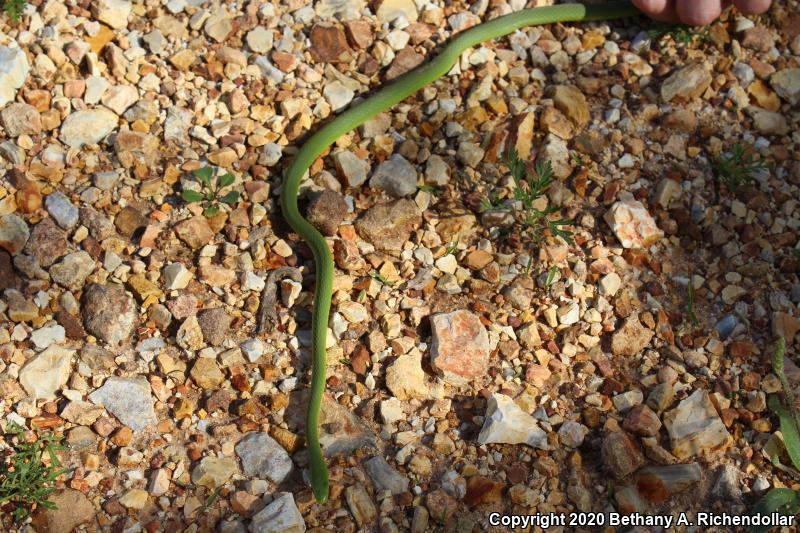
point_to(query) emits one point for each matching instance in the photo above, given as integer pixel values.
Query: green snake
(381, 101)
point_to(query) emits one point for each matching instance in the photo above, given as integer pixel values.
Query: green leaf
(791, 436)
(782, 501)
(230, 198)
(210, 211)
(551, 276)
(204, 174)
(225, 180)
(191, 196)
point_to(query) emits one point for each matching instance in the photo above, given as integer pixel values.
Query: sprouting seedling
(680, 33)
(13, 9)
(452, 248)
(529, 187)
(551, 277)
(209, 503)
(382, 279)
(429, 188)
(209, 194)
(737, 168)
(29, 472)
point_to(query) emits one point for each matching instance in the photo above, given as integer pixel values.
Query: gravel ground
(472, 369)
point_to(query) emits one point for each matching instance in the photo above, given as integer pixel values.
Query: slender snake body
(381, 101)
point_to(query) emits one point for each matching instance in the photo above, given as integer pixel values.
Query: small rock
(470, 154)
(195, 232)
(758, 38)
(338, 95)
(215, 324)
(694, 427)
(120, 97)
(129, 400)
(621, 454)
(189, 335)
(87, 127)
(113, 12)
(21, 119)
(109, 313)
(632, 224)
(71, 272)
(14, 233)
(659, 483)
(728, 486)
(253, 349)
(506, 423)
(391, 10)
(786, 83)
(263, 457)
(329, 45)
(70, 509)
(326, 211)
(176, 276)
(360, 504)
(384, 477)
(571, 101)
(396, 176)
(350, 168)
(45, 373)
(280, 516)
(44, 337)
(768, 122)
(64, 212)
(213, 472)
(406, 379)
(571, 434)
(388, 226)
(14, 69)
(459, 346)
(631, 338)
(610, 284)
(259, 40)
(641, 420)
(206, 373)
(686, 84)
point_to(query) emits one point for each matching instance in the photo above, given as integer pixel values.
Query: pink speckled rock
(632, 224)
(460, 348)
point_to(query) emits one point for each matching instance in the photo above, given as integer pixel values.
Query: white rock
(259, 40)
(695, 428)
(120, 97)
(610, 284)
(43, 375)
(392, 411)
(353, 312)
(507, 423)
(447, 264)
(632, 224)
(176, 276)
(338, 95)
(252, 282)
(253, 349)
(96, 87)
(113, 12)
(572, 433)
(14, 69)
(786, 83)
(667, 191)
(87, 127)
(44, 337)
(569, 314)
(391, 10)
(280, 516)
(406, 379)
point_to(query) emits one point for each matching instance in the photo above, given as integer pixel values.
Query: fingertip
(753, 7)
(696, 13)
(661, 10)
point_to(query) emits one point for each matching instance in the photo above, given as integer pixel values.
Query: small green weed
(784, 501)
(13, 9)
(680, 33)
(377, 275)
(529, 187)
(209, 194)
(28, 472)
(736, 168)
(430, 188)
(210, 500)
(551, 277)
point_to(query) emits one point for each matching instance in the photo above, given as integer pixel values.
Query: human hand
(697, 12)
